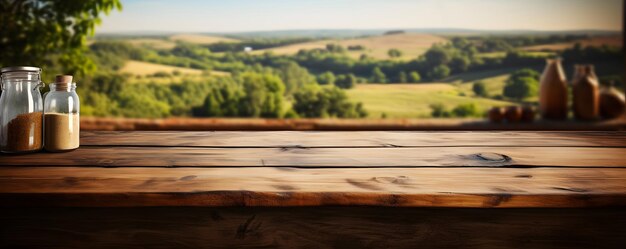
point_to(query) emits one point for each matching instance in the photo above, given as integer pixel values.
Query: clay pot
(586, 93)
(553, 91)
(496, 114)
(612, 103)
(528, 114)
(513, 114)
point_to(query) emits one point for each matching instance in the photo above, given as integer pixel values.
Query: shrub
(479, 89)
(466, 110)
(522, 84)
(346, 81)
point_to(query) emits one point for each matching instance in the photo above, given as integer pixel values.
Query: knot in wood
(493, 157)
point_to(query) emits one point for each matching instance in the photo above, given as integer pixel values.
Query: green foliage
(438, 110)
(335, 48)
(479, 89)
(378, 76)
(437, 55)
(263, 95)
(522, 84)
(327, 78)
(346, 81)
(141, 103)
(254, 90)
(49, 32)
(294, 77)
(356, 47)
(111, 55)
(414, 77)
(439, 72)
(191, 51)
(324, 102)
(221, 101)
(253, 95)
(402, 78)
(467, 110)
(394, 53)
(98, 104)
(161, 74)
(459, 64)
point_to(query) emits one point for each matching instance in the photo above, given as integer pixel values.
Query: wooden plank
(327, 157)
(354, 139)
(318, 227)
(405, 187)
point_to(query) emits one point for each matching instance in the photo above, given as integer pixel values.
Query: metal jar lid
(20, 69)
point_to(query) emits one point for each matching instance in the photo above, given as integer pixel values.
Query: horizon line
(362, 29)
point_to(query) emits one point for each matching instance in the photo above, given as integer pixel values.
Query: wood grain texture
(326, 157)
(354, 139)
(319, 227)
(406, 187)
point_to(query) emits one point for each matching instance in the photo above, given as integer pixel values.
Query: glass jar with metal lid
(21, 110)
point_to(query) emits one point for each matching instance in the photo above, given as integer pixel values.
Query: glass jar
(21, 110)
(62, 115)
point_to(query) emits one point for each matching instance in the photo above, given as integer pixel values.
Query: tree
(439, 72)
(394, 53)
(263, 95)
(438, 110)
(221, 101)
(334, 48)
(436, 56)
(459, 64)
(346, 81)
(356, 47)
(402, 78)
(414, 77)
(378, 76)
(479, 89)
(294, 77)
(316, 102)
(50, 32)
(522, 84)
(252, 95)
(327, 78)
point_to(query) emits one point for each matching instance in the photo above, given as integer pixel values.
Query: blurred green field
(413, 100)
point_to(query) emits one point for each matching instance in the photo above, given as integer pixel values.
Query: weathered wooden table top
(413, 169)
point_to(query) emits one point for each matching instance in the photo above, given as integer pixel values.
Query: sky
(264, 15)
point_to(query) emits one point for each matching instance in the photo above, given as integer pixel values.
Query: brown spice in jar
(24, 133)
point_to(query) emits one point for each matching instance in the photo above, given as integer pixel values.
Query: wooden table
(319, 190)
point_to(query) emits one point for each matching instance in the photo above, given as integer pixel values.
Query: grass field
(146, 68)
(411, 45)
(201, 39)
(412, 100)
(153, 43)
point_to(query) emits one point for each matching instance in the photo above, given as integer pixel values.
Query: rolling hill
(201, 39)
(146, 68)
(153, 43)
(613, 41)
(411, 45)
(413, 100)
